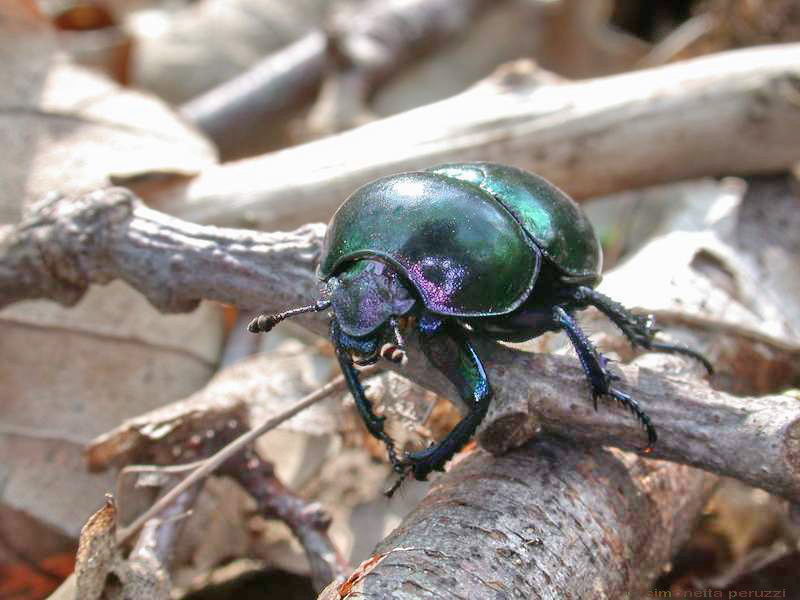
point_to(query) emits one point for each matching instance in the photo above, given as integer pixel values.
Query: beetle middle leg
(600, 379)
(640, 330)
(448, 349)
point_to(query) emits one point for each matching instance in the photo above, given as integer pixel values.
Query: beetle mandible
(464, 249)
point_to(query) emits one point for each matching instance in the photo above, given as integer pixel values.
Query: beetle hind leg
(640, 330)
(595, 366)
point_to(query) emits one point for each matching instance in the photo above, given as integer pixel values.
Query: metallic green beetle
(463, 249)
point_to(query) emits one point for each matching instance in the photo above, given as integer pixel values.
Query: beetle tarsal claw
(393, 353)
(403, 470)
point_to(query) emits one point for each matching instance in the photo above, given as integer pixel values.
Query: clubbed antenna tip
(265, 323)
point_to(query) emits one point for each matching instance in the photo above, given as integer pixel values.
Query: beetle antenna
(265, 322)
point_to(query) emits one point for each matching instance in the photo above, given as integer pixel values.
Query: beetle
(456, 251)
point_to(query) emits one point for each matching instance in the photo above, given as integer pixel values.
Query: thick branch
(697, 425)
(71, 243)
(549, 520)
(67, 244)
(589, 137)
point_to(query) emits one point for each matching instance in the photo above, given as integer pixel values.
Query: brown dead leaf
(23, 580)
(71, 374)
(97, 551)
(68, 129)
(139, 577)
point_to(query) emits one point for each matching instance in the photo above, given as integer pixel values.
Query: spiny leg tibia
(640, 330)
(600, 379)
(373, 422)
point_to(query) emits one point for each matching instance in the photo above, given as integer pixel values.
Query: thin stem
(209, 465)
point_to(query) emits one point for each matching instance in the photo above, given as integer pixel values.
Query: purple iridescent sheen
(366, 295)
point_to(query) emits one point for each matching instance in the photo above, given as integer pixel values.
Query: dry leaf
(64, 128)
(140, 577)
(71, 374)
(97, 551)
(218, 529)
(23, 580)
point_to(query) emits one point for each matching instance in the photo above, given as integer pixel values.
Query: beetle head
(367, 299)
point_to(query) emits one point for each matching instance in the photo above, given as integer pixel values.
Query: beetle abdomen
(552, 219)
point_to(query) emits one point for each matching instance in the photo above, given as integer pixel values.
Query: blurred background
(181, 100)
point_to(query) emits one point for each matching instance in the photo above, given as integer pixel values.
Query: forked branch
(68, 244)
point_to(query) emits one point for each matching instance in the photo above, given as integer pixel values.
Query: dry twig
(359, 53)
(229, 451)
(589, 137)
(68, 244)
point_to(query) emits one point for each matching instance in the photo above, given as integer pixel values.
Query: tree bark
(549, 520)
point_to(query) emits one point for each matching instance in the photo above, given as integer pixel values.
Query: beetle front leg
(594, 366)
(373, 422)
(638, 329)
(448, 349)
